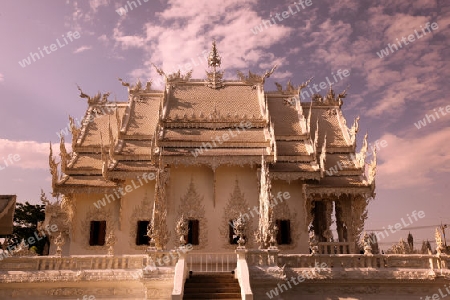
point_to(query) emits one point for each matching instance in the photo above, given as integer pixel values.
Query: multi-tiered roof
(300, 140)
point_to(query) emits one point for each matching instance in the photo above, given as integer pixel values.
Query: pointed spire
(214, 59)
(53, 168)
(323, 156)
(65, 157)
(214, 80)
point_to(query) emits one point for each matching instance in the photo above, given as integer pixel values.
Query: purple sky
(390, 94)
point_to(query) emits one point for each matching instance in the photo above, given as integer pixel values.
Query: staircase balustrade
(211, 262)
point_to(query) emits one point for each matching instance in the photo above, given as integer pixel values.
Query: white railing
(379, 261)
(265, 258)
(87, 262)
(334, 248)
(262, 257)
(211, 262)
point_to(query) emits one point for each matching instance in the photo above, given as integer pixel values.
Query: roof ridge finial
(214, 59)
(214, 80)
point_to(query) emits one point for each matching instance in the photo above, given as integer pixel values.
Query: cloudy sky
(97, 41)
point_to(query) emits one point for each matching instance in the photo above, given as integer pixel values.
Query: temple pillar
(341, 224)
(322, 220)
(357, 210)
(309, 210)
(159, 230)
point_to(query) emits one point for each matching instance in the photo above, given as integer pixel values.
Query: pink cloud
(412, 162)
(191, 32)
(32, 155)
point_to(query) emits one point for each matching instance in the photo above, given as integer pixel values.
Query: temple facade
(211, 150)
(213, 176)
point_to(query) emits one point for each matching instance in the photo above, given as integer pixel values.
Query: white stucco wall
(215, 189)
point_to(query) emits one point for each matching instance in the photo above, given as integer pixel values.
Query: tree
(426, 247)
(26, 219)
(402, 247)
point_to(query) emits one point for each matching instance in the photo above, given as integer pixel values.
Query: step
(211, 275)
(200, 289)
(213, 296)
(189, 290)
(211, 280)
(212, 286)
(214, 274)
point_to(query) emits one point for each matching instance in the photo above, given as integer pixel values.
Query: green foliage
(26, 218)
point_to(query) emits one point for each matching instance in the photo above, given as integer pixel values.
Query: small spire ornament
(214, 80)
(59, 242)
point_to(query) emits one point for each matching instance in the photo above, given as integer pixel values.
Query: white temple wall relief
(121, 215)
(292, 208)
(213, 190)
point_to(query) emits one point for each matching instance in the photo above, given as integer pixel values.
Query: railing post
(243, 276)
(273, 256)
(181, 273)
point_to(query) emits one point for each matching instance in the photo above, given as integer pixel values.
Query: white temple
(213, 188)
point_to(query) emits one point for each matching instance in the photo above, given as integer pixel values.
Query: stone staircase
(212, 286)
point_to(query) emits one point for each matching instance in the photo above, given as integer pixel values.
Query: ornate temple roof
(213, 122)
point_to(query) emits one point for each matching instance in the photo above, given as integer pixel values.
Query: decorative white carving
(22, 250)
(262, 236)
(281, 211)
(159, 230)
(75, 131)
(94, 214)
(59, 242)
(253, 79)
(323, 156)
(192, 208)
(354, 130)
(237, 204)
(110, 241)
(142, 212)
(53, 168)
(68, 206)
(330, 99)
(358, 217)
(214, 162)
(65, 157)
(214, 80)
(290, 89)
